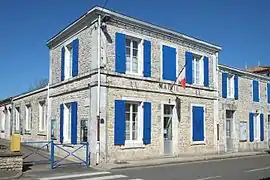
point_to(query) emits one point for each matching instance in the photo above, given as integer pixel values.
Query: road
(247, 168)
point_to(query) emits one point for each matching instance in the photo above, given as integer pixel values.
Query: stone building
(5, 118)
(117, 83)
(244, 110)
(137, 107)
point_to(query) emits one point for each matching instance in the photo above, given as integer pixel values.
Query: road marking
(75, 175)
(211, 177)
(105, 177)
(259, 169)
(136, 179)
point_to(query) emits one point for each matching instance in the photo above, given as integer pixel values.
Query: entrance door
(229, 128)
(167, 125)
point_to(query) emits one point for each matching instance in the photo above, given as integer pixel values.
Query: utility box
(15, 145)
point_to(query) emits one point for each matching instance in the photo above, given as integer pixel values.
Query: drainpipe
(48, 113)
(98, 91)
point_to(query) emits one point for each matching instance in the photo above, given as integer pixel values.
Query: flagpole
(178, 76)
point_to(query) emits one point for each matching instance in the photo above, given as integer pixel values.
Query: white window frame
(140, 55)
(28, 117)
(230, 81)
(161, 57)
(2, 120)
(199, 58)
(191, 124)
(17, 119)
(68, 60)
(67, 123)
(42, 117)
(257, 127)
(139, 141)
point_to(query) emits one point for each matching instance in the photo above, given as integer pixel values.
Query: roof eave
(131, 19)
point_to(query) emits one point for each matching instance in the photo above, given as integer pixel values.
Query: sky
(240, 27)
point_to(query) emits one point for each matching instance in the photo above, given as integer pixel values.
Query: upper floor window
(230, 86)
(132, 55)
(256, 91)
(68, 61)
(197, 67)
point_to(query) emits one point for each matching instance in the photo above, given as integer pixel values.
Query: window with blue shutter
(75, 57)
(120, 52)
(268, 93)
(119, 122)
(147, 59)
(62, 63)
(168, 63)
(206, 71)
(188, 70)
(197, 123)
(251, 127)
(74, 121)
(255, 90)
(61, 123)
(224, 84)
(147, 123)
(236, 86)
(262, 127)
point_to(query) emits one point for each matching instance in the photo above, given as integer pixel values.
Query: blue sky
(241, 28)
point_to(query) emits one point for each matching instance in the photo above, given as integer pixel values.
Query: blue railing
(35, 150)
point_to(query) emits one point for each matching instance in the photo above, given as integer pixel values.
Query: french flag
(182, 78)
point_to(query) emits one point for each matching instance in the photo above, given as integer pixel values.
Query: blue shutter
(224, 84)
(206, 71)
(189, 59)
(268, 93)
(75, 57)
(120, 53)
(169, 63)
(61, 123)
(251, 127)
(235, 86)
(119, 122)
(63, 64)
(147, 59)
(262, 126)
(74, 120)
(255, 85)
(147, 123)
(197, 123)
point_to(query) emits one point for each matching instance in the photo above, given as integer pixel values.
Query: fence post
(52, 154)
(87, 154)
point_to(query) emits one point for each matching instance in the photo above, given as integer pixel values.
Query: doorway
(167, 127)
(229, 129)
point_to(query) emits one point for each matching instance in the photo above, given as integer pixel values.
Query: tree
(41, 83)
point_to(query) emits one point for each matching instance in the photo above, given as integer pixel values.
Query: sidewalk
(176, 160)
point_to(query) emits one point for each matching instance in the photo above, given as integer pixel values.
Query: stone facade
(11, 162)
(242, 107)
(85, 89)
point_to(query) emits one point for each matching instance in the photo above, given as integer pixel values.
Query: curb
(18, 175)
(182, 161)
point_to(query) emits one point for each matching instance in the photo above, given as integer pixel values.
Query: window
(27, 118)
(198, 125)
(2, 120)
(256, 91)
(67, 122)
(42, 117)
(257, 126)
(230, 86)
(132, 129)
(17, 119)
(167, 124)
(197, 68)
(68, 61)
(132, 55)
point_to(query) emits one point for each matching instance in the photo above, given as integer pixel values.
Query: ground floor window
(67, 122)
(256, 126)
(132, 121)
(198, 123)
(17, 120)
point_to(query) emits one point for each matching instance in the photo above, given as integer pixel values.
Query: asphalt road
(248, 168)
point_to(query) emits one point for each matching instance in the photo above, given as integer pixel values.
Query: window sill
(133, 74)
(198, 143)
(133, 145)
(27, 132)
(41, 134)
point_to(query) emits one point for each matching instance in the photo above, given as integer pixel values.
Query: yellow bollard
(15, 143)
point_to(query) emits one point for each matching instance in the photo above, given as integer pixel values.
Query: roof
(98, 10)
(258, 69)
(244, 72)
